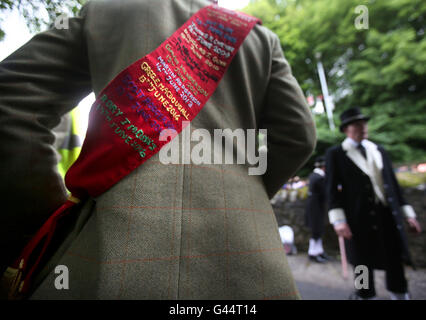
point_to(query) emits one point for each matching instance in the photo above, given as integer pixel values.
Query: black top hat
(351, 115)
(319, 162)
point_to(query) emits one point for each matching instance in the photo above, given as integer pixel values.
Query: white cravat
(319, 171)
(375, 165)
(372, 166)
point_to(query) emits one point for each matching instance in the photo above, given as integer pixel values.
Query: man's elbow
(307, 140)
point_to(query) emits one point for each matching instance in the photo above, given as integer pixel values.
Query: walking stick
(343, 257)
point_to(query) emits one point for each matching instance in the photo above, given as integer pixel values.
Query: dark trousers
(316, 235)
(395, 281)
(391, 250)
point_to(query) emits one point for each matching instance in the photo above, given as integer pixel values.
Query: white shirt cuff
(408, 211)
(336, 215)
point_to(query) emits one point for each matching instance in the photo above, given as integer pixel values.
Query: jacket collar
(319, 171)
(373, 155)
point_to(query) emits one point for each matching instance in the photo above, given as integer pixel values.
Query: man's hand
(414, 225)
(342, 229)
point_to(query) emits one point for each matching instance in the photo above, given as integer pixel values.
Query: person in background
(68, 140)
(316, 211)
(287, 238)
(367, 207)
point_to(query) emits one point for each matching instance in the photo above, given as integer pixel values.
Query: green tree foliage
(381, 69)
(32, 11)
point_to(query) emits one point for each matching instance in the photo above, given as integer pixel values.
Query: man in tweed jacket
(177, 231)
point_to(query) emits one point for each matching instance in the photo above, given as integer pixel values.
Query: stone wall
(417, 243)
(292, 213)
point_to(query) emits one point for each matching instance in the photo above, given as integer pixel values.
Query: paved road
(325, 282)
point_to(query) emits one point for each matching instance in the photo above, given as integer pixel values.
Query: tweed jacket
(177, 231)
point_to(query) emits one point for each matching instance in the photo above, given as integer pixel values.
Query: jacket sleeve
(291, 130)
(40, 82)
(406, 209)
(336, 212)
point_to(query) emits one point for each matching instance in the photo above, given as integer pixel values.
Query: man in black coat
(367, 207)
(315, 211)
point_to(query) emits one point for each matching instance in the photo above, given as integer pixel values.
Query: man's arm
(336, 212)
(291, 130)
(332, 181)
(39, 82)
(407, 209)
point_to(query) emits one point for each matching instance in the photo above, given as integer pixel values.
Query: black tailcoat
(316, 205)
(375, 228)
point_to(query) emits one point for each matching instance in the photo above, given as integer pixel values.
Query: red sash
(160, 91)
